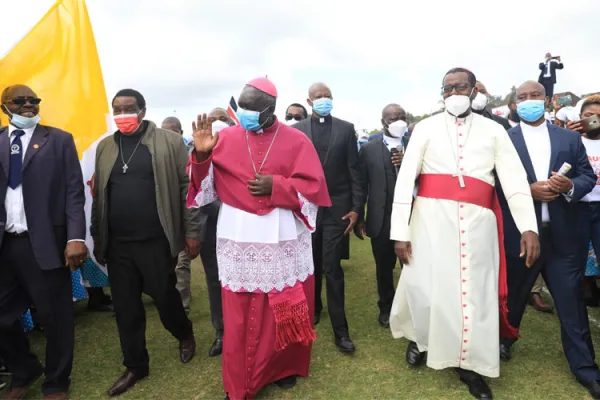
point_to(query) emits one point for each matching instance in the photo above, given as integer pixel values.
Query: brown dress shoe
(18, 393)
(57, 396)
(125, 382)
(187, 349)
(538, 303)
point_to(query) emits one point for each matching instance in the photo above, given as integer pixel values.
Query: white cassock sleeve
(513, 179)
(405, 185)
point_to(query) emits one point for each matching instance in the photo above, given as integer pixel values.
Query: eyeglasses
(460, 87)
(20, 101)
(294, 117)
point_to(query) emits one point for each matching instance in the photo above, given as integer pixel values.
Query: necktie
(15, 175)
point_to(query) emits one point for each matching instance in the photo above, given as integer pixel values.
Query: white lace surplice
(261, 253)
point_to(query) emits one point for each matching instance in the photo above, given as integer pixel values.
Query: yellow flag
(58, 59)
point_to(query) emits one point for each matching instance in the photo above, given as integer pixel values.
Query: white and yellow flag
(58, 59)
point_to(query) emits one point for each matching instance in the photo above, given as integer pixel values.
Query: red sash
(482, 194)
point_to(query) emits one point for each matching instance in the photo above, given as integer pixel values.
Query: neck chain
(256, 171)
(457, 154)
(126, 164)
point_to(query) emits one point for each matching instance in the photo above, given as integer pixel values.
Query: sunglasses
(294, 117)
(20, 101)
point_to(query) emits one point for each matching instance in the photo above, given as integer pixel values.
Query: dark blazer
(53, 193)
(342, 171)
(553, 67)
(379, 181)
(566, 146)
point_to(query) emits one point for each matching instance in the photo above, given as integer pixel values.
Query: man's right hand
(541, 191)
(403, 251)
(397, 157)
(204, 141)
(530, 247)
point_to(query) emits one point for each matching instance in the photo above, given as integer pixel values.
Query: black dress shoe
(126, 382)
(504, 352)
(217, 346)
(384, 320)
(477, 386)
(286, 383)
(187, 349)
(414, 357)
(345, 344)
(593, 388)
(317, 319)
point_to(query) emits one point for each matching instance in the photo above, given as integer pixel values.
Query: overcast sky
(193, 55)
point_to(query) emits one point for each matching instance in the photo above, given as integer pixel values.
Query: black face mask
(514, 116)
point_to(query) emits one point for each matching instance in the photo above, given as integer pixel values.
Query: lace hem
(264, 266)
(309, 211)
(207, 193)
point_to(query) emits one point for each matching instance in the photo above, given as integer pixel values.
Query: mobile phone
(564, 100)
(590, 123)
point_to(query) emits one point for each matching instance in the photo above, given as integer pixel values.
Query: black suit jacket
(379, 181)
(553, 67)
(53, 193)
(342, 171)
(566, 146)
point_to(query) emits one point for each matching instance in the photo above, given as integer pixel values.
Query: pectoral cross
(125, 168)
(461, 180)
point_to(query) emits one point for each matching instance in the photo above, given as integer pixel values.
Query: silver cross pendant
(125, 167)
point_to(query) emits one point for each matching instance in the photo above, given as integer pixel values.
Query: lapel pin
(36, 146)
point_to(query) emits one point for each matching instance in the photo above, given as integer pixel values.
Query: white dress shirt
(537, 140)
(16, 221)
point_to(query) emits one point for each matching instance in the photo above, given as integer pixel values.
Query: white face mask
(218, 126)
(291, 122)
(397, 129)
(479, 102)
(458, 104)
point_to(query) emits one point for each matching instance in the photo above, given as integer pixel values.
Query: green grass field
(376, 371)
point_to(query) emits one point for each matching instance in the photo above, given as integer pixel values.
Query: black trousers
(23, 282)
(328, 248)
(385, 261)
(144, 267)
(549, 86)
(208, 255)
(564, 276)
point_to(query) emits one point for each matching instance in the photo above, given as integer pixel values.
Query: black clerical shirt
(132, 207)
(321, 135)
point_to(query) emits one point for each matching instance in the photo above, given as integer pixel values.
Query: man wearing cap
(270, 182)
(451, 300)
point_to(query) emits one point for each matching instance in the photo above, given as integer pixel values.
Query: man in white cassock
(451, 299)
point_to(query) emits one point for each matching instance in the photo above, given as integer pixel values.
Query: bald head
(481, 88)
(20, 100)
(530, 90)
(392, 110)
(172, 124)
(220, 114)
(318, 90)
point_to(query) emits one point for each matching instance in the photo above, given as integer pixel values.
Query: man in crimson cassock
(271, 183)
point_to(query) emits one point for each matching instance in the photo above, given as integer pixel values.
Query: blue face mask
(23, 122)
(531, 110)
(322, 106)
(249, 119)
